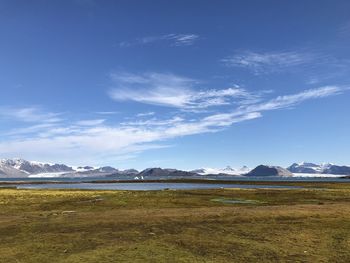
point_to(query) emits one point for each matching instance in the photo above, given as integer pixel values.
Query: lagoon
(144, 186)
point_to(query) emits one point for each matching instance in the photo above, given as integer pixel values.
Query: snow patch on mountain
(317, 175)
(324, 168)
(47, 175)
(227, 170)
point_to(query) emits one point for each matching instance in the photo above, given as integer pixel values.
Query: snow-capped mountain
(326, 168)
(84, 168)
(10, 171)
(23, 168)
(88, 171)
(303, 168)
(17, 168)
(227, 170)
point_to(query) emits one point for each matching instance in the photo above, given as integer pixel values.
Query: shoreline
(306, 184)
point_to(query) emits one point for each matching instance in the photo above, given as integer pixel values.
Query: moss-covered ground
(275, 225)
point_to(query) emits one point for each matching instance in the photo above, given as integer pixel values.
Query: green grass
(296, 225)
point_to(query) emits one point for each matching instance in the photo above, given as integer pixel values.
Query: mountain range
(311, 168)
(19, 168)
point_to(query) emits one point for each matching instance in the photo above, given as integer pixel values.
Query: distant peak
(228, 168)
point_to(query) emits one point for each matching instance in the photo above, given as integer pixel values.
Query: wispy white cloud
(145, 114)
(316, 66)
(107, 112)
(171, 39)
(29, 114)
(152, 88)
(267, 62)
(30, 129)
(280, 102)
(90, 122)
(172, 91)
(154, 122)
(291, 100)
(96, 144)
(182, 39)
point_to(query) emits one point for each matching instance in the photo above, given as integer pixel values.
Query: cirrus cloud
(176, 40)
(173, 91)
(102, 143)
(267, 62)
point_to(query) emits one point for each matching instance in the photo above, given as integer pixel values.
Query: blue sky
(182, 84)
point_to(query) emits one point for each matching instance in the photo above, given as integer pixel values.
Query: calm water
(145, 186)
(212, 177)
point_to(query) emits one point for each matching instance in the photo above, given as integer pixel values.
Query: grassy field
(299, 225)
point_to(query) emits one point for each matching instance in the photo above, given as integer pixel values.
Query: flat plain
(311, 224)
